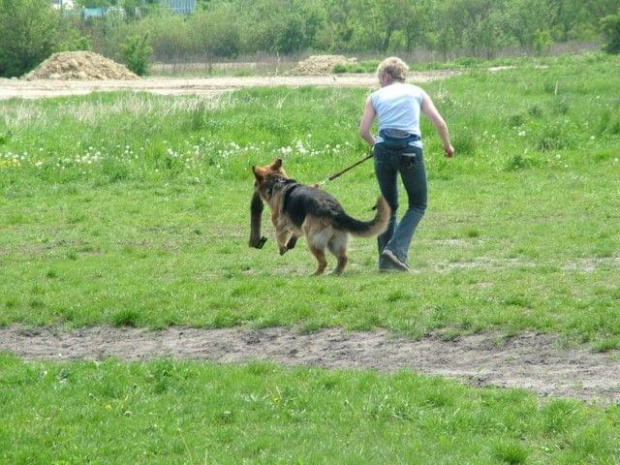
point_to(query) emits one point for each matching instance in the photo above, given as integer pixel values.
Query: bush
(71, 39)
(171, 37)
(137, 54)
(216, 32)
(610, 27)
(29, 33)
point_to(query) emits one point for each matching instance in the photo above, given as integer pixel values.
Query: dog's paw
(283, 250)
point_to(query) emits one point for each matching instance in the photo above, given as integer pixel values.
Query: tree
(215, 31)
(171, 36)
(442, 33)
(601, 8)
(281, 26)
(531, 22)
(610, 27)
(415, 23)
(29, 31)
(339, 30)
(384, 21)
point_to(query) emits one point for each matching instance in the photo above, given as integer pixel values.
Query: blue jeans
(388, 165)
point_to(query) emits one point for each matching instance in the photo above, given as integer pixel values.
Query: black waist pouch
(397, 139)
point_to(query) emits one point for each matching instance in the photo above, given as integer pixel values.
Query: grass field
(187, 412)
(133, 210)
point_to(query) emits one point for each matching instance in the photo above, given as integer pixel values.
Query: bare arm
(367, 119)
(428, 108)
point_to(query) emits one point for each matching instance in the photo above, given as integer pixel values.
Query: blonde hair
(394, 67)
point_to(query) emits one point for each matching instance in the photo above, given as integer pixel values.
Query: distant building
(63, 4)
(102, 11)
(185, 7)
(91, 13)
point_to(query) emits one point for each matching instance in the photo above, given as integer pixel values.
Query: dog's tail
(367, 228)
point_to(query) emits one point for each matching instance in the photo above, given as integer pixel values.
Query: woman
(398, 150)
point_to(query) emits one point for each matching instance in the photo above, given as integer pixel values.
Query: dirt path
(10, 88)
(529, 361)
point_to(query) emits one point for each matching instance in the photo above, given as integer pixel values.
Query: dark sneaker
(398, 264)
(385, 269)
(386, 266)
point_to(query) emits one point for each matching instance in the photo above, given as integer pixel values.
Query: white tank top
(398, 107)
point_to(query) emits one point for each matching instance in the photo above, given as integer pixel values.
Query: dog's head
(262, 172)
(268, 177)
(265, 176)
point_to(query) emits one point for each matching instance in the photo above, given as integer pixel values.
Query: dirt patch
(204, 87)
(85, 66)
(529, 361)
(318, 65)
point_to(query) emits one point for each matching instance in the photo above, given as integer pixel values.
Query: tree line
(225, 29)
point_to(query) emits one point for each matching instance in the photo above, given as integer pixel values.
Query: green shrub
(610, 27)
(29, 31)
(369, 66)
(71, 39)
(137, 54)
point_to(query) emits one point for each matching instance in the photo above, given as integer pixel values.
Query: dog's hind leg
(338, 246)
(318, 235)
(319, 254)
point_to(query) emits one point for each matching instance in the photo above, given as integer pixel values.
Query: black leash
(340, 173)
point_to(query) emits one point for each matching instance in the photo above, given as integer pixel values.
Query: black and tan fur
(297, 210)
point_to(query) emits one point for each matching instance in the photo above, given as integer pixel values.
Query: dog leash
(340, 173)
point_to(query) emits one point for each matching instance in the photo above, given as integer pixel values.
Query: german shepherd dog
(297, 210)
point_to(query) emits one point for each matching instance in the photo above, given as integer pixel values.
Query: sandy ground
(10, 88)
(529, 361)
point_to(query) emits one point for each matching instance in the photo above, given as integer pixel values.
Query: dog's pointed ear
(258, 173)
(277, 165)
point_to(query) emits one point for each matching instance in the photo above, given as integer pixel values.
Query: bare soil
(320, 64)
(80, 65)
(536, 362)
(40, 88)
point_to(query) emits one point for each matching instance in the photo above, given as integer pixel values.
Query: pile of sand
(81, 66)
(320, 64)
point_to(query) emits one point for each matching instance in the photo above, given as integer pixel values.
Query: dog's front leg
(256, 211)
(291, 242)
(282, 235)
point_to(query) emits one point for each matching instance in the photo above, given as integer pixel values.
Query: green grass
(188, 412)
(132, 210)
(145, 255)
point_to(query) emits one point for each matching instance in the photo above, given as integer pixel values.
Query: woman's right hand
(448, 150)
